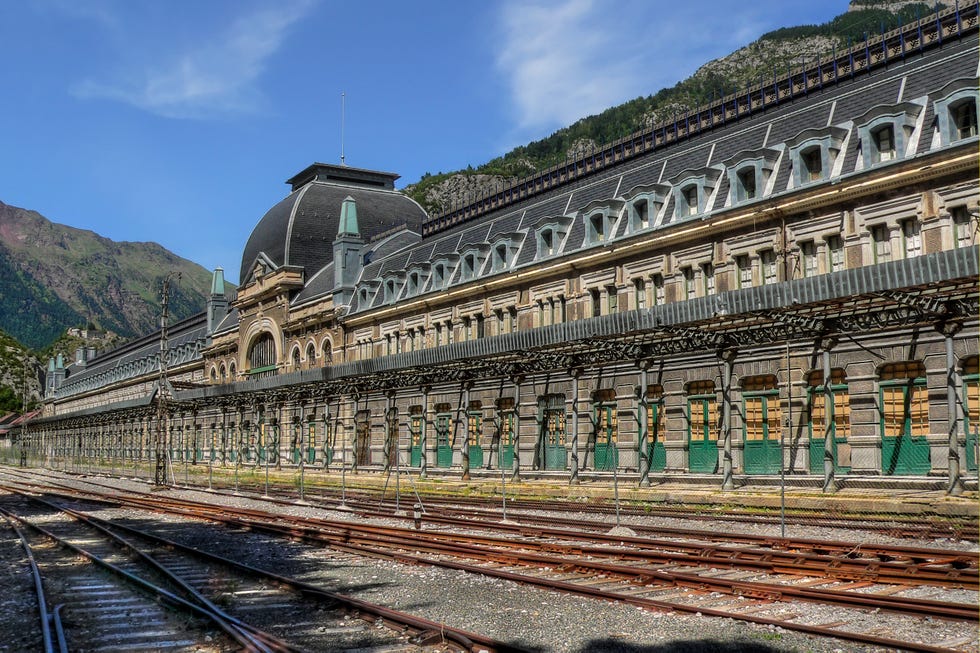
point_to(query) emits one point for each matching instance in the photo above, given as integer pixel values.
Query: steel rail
(315, 530)
(427, 629)
(390, 539)
(46, 617)
(960, 560)
(266, 641)
(295, 532)
(345, 539)
(169, 598)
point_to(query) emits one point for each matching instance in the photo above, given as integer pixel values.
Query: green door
(971, 387)
(474, 427)
(606, 456)
(828, 419)
(761, 432)
(444, 449)
(904, 425)
(555, 452)
(416, 434)
(309, 446)
(702, 438)
(507, 440)
(656, 451)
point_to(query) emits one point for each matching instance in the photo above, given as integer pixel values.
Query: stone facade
(669, 304)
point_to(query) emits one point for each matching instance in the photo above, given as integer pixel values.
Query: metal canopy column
(644, 419)
(516, 471)
(465, 447)
(728, 481)
(423, 437)
(574, 373)
(955, 486)
(830, 428)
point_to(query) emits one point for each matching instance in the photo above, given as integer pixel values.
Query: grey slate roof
(301, 228)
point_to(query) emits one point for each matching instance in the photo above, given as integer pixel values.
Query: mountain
(771, 54)
(53, 277)
(19, 375)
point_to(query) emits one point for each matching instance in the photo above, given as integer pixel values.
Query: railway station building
(784, 282)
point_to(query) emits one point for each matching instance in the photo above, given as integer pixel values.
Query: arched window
(262, 354)
(214, 375)
(233, 370)
(327, 352)
(222, 372)
(310, 355)
(296, 358)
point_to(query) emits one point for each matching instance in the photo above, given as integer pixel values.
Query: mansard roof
(833, 108)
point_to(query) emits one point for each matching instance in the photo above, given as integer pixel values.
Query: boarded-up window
(760, 398)
(819, 415)
(702, 403)
(904, 400)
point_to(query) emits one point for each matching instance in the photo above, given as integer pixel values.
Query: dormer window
(691, 204)
(500, 257)
(391, 290)
(438, 276)
(749, 172)
(597, 228)
(964, 115)
(886, 132)
(883, 142)
(812, 164)
(549, 234)
(956, 112)
(413, 284)
(641, 213)
(546, 242)
(469, 267)
(747, 188)
(814, 153)
(693, 190)
(643, 204)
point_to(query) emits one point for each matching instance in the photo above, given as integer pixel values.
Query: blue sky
(178, 121)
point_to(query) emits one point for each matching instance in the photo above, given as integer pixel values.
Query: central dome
(300, 230)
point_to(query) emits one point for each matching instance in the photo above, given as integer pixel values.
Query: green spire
(348, 218)
(218, 282)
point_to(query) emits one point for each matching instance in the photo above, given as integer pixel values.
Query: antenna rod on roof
(343, 104)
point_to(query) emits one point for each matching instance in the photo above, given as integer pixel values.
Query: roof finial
(343, 105)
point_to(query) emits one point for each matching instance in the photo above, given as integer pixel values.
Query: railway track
(225, 600)
(897, 526)
(708, 577)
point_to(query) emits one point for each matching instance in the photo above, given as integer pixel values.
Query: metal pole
(830, 428)
(728, 478)
(645, 452)
(575, 374)
(302, 453)
(782, 446)
(266, 495)
(955, 486)
(503, 492)
(616, 489)
(423, 436)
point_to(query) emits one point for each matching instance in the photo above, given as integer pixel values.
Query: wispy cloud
(216, 77)
(554, 55)
(562, 60)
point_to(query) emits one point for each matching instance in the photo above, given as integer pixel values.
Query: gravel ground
(539, 620)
